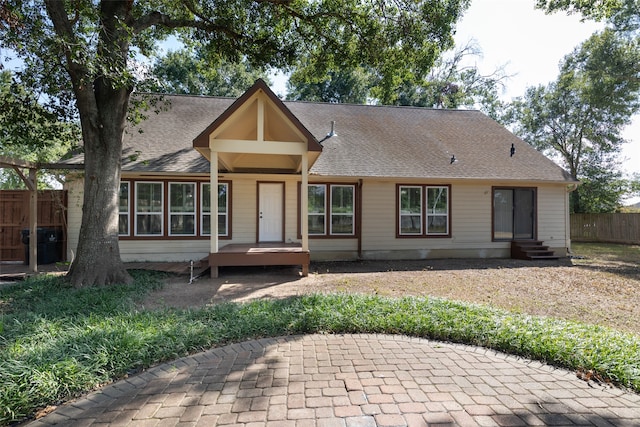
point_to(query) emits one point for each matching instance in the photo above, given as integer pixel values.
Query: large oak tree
(82, 53)
(579, 118)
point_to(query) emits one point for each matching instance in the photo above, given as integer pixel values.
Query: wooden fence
(14, 217)
(612, 228)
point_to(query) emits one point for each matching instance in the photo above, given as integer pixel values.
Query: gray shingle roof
(380, 141)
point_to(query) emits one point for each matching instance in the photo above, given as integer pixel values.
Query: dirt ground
(599, 292)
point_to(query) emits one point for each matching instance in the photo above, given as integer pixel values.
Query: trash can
(49, 245)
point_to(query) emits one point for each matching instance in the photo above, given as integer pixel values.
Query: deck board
(259, 254)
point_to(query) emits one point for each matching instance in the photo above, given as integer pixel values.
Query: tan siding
(291, 210)
(552, 216)
(378, 215)
(163, 251)
(470, 224)
(243, 218)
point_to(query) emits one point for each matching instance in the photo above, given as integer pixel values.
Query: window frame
(331, 212)
(160, 213)
(165, 216)
(322, 214)
(193, 213)
(424, 211)
(126, 213)
(328, 214)
(227, 214)
(410, 214)
(436, 214)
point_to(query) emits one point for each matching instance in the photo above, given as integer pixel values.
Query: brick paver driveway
(351, 380)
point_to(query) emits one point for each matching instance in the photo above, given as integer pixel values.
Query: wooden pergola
(31, 182)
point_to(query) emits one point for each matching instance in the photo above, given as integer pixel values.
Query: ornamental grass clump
(58, 341)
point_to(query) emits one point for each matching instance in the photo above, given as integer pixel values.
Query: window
(437, 210)
(411, 210)
(223, 211)
(317, 208)
(182, 209)
(123, 217)
(331, 209)
(149, 204)
(423, 210)
(342, 208)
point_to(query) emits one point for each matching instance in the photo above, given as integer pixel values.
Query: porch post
(33, 220)
(213, 177)
(304, 203)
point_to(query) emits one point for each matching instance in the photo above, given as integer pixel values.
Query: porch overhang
(236, 156)
(259, 134)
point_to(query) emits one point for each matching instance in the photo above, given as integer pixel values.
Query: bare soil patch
(604, 291)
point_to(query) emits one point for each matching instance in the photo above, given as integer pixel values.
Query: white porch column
(304, 203)
(214, 201)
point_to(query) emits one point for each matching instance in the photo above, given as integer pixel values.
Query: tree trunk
(102, 104)
(98, 259)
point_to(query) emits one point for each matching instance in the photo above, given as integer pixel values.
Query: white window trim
(323, 214)
(193, 213)
(332, 214)
(410, 214)
(128, 211)
(161, 213)
(203, 213)
(433, 214)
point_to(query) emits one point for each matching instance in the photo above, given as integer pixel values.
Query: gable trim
(202, 140)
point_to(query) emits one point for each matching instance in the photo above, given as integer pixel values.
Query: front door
(514, 213)
(270, 212)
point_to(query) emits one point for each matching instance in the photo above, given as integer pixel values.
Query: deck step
(531, 250)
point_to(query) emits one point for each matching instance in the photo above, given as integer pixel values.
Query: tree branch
(64, 30)
(157, 18)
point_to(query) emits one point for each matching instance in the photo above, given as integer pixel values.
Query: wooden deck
(259, 254)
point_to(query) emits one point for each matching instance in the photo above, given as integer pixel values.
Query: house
(298, 181)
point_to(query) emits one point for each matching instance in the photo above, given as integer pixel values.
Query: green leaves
(186, 71)
(579, 118)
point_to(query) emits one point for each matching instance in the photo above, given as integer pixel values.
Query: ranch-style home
(300, 181)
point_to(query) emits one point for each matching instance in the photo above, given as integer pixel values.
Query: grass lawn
(57, 342)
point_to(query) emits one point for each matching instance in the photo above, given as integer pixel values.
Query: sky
(530, 44)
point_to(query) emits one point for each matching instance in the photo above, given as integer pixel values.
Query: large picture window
(182, 209)
(331, 209)
(223, 209)
(149, 208)
(123, 209)
(423, 210)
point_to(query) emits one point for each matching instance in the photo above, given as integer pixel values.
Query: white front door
(270, 212)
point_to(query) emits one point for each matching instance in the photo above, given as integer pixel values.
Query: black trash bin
(49, 241)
